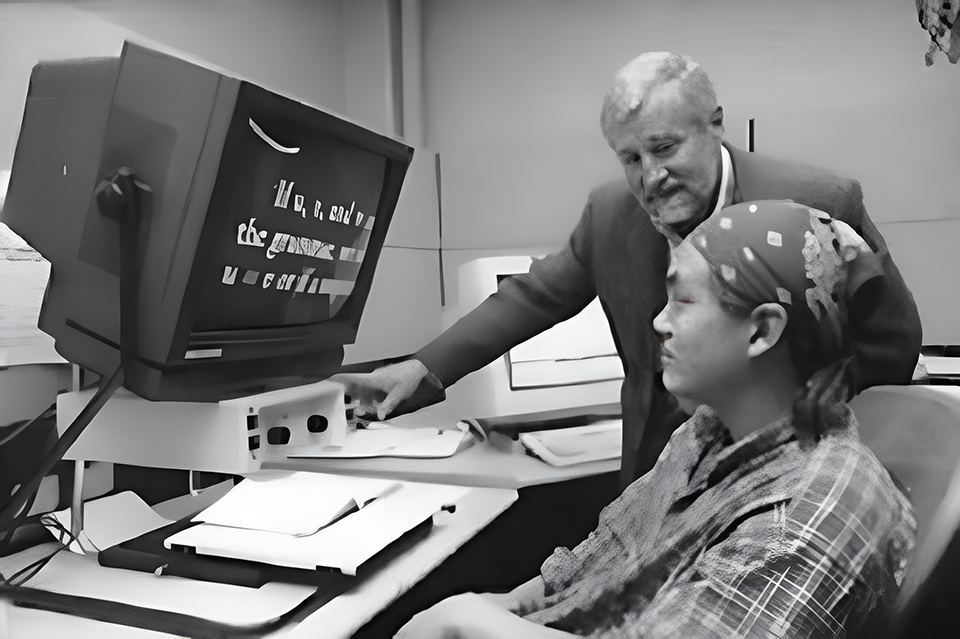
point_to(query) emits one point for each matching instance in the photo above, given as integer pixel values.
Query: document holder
(147, 553)
(252, 535)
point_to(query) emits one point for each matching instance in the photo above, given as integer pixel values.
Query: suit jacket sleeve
(556, 288)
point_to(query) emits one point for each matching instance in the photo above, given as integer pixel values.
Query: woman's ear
(768, 321)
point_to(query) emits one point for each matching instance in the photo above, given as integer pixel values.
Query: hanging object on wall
(939, 19)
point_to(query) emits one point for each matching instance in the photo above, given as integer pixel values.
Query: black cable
(29, 571)
(17, 428)
(18, 504)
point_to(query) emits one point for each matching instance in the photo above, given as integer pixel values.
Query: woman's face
(704, 346)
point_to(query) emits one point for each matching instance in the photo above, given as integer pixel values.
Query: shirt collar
(727, 180)
(762, 442)
(757, 443)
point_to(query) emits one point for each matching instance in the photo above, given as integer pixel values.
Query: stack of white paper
(566, 446)
(293, 503)
(380, 439)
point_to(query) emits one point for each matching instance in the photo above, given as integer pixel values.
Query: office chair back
(915, 432)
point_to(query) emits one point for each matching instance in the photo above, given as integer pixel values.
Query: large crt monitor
(217, 238)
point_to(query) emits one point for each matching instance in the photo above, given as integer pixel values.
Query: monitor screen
(240, 246)
(295, 225)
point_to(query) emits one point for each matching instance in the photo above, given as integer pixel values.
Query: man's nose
(654, 174)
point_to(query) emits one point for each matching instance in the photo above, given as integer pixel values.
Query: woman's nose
(660, 324)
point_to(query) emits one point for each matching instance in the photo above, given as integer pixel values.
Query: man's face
(705, 348)
(671, 157)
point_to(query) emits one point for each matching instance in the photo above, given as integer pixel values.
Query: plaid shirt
(758, 538)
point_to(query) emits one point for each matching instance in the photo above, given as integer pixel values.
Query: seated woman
(765, 515)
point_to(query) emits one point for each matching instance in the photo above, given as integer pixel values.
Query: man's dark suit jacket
(616, 253)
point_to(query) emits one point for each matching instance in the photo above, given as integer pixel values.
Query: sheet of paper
(579, 444)
(562, 372)
(190, 504)
(24, 275)
(109, 521)
(384, 440)
(344, 546)
(292, 503)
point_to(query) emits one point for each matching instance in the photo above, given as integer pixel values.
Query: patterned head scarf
(782, 252)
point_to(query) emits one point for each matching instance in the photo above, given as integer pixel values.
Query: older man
(662, 119)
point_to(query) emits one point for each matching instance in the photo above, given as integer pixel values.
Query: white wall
(295, 47)
(513, 89)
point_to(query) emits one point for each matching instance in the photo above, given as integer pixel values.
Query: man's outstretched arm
(555, 289)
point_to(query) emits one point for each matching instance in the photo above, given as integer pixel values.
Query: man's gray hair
(649, 71)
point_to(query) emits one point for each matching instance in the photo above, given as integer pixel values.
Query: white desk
(499, 462)
(340, 617)
(495, 469)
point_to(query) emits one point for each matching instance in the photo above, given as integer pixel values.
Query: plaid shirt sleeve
(810, 566)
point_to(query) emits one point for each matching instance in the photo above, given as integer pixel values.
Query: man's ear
(768, 321)
(716, 118)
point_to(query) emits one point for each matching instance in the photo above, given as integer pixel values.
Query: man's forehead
(667, 98)
(664, 113)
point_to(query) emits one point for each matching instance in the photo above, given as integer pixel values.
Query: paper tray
(344, 545)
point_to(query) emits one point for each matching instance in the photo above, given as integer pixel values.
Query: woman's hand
(526, 598)
(458, 617)
(473, 616)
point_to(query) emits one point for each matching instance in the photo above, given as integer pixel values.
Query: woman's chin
(688, 404)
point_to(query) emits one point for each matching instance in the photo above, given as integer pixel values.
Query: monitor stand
(232, 436)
